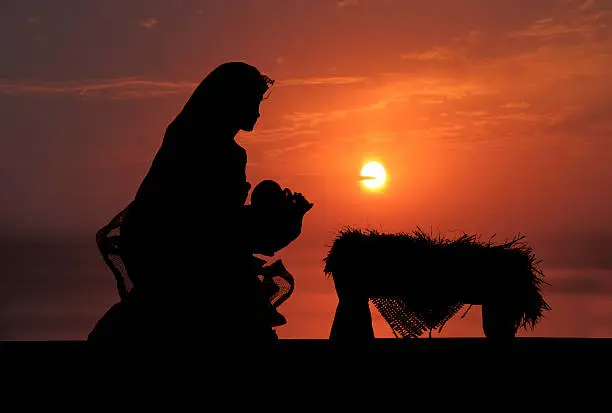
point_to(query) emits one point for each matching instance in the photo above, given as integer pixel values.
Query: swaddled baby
(276, 216)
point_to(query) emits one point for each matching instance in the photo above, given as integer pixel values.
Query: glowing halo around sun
(373, 175)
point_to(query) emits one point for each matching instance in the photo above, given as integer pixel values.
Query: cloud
(372, 137)
(137, 87)
(591, 119)
(432, 88)
(437, 53)
(345, 3)
(118, 88)
(582, 249)
(280, 134)
(275, 152)
(516, 105)
(457, 48)
(579, 22)
(313, 119)
(472, 113)
(586, 4)
(555, 47)
(548, 28)
(149, 23)
(326, 81)
(582, 282)
(525, 79)
(390, 89)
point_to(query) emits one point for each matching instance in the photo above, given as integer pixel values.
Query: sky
(490, 117)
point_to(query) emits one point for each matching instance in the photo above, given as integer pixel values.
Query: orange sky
(490, 119)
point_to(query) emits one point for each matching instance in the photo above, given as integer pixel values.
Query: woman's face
(248, 113)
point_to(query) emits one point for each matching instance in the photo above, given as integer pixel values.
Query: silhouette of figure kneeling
(187, 241)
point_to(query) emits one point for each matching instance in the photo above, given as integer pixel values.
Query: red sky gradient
(491, 117)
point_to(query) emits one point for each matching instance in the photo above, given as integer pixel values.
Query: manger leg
(498, 321)
(352, 321)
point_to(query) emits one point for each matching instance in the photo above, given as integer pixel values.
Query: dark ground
(525, 354)
(439, 373)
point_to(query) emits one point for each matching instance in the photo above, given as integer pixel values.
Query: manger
(418, 282)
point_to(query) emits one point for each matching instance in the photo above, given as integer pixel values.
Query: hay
(419, 281)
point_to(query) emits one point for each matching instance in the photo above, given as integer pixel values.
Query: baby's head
(267, 193)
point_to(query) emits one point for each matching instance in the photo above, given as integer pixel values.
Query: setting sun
(373, 175)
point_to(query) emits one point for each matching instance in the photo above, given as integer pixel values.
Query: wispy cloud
(119, 88)
(137, 87)
(332, 80)
(493, 92)
(589, 120)
(406, 85)
(581, 21)
(565, 44)
(437, 53)
(281, 133)
(588, 282)
(149, 23)
(275, 152)
(372, 137)
(391, 89)
(313, 119)
(586, 4)
(345, 3)
(548, 28)
(516, 105)
(457, 48)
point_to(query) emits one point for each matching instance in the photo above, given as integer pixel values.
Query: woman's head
(230, 94)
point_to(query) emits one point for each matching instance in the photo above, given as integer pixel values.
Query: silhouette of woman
(185, 238)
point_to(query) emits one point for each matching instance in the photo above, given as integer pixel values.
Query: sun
(373, 175)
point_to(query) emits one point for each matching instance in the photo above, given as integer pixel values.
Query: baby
(266, 194)
(276, 216)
